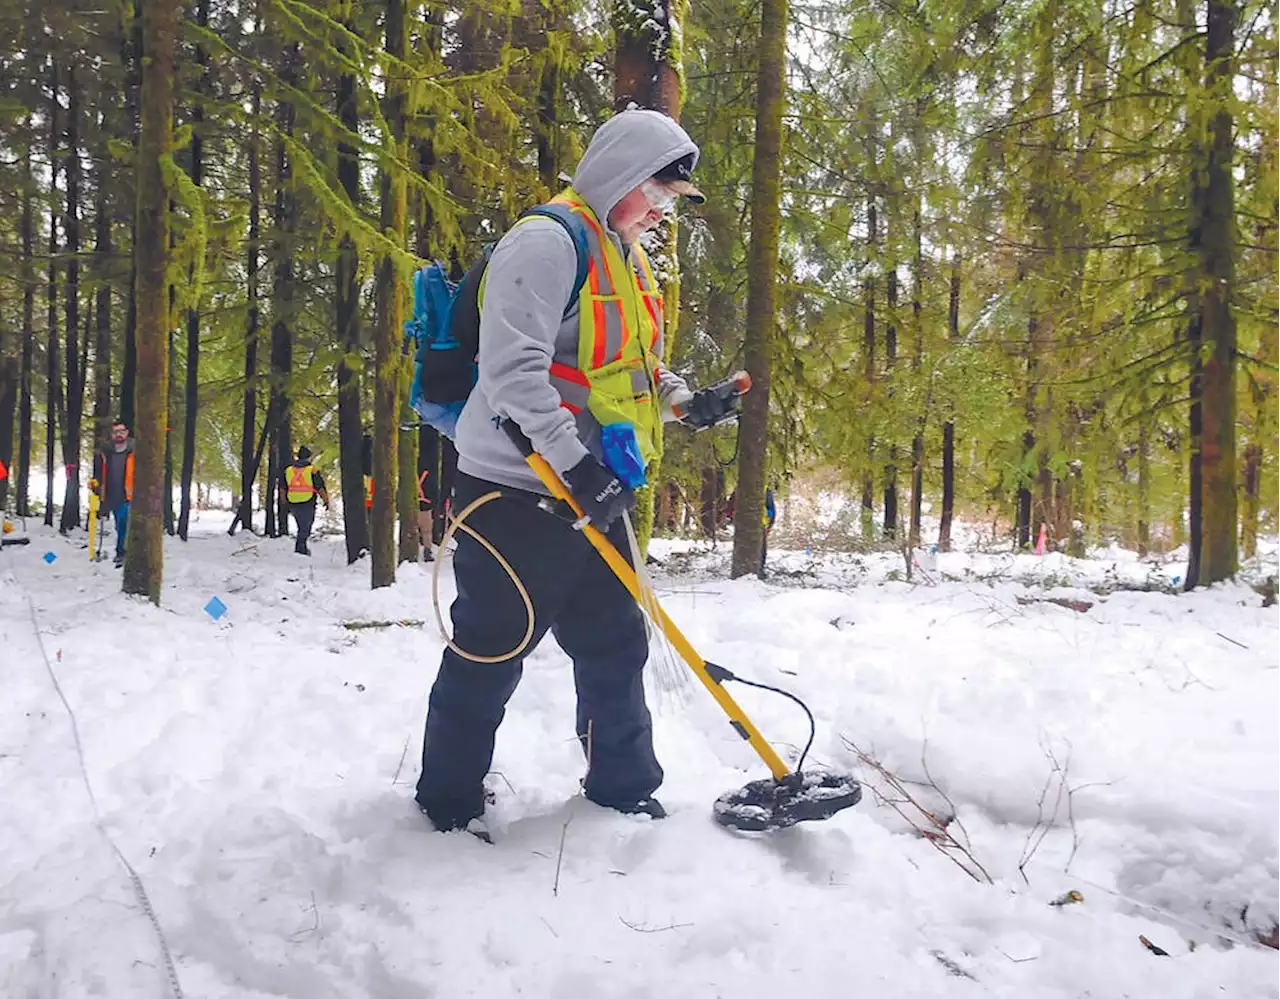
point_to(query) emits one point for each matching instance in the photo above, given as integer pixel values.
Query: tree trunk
(388, 322)
(131, 58)
(917, 361)
(890, 358)
(1144, 487)
(1195, 424)
(283, 296)
(869, 373)
(762, 276)
(144, 558)
(22, 481)
(407, 459)
(10, 349)
(1214, 241)
(645, 66)
(170, 521)
(949, 428)
(53, 385)
(129, 374)
(550, 86)
(1024, 526)
(249, 409)
(1252, 498)
(355, 519)
(102, 409)
(75, 378)
(192, 394)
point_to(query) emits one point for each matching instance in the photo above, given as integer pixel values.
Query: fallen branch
(951, 966)
(408, 622)
(929, 826)
(1036, 835)
(654, 929)
(1079, 606)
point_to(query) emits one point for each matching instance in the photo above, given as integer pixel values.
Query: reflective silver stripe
(640, 382)
(573, 394)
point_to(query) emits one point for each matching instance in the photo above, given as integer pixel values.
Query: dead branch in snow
(1055, 783)
(653, 929)
(364, 625)
(1079, 606)
(936, 829)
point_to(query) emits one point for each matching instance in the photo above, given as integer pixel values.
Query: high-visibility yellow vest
(368, 492)
(620, 324)
(301, 484)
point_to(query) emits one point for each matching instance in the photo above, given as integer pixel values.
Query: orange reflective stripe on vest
(301, 487)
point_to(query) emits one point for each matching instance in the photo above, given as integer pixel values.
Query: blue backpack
(445, 328)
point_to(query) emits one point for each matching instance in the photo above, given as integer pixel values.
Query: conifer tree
(144, 554)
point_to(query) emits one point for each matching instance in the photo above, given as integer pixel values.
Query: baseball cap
(677, 177)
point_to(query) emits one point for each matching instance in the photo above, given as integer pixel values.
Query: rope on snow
(139, 889)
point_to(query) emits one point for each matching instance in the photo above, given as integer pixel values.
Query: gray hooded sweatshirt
(523, 323)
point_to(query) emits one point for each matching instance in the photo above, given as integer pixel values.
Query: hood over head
(630, 147)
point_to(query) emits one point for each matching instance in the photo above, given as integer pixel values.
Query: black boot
(651, 807)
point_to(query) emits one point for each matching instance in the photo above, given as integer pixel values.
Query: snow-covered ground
(257, 773)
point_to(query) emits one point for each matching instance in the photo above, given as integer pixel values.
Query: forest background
(1014, 262)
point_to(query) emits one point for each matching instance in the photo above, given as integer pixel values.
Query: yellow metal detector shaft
(627, 575)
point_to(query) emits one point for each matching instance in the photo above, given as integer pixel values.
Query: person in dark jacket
(301, 484)
(113, 473)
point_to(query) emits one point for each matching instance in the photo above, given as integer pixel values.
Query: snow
(257, 772)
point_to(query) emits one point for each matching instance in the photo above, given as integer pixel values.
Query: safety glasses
(661, 198)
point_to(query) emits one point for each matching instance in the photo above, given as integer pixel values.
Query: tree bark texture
(1214, 241)
(249, 406)
(102, 408)
(144, 557)
(644, 72)
(890, 527)
(355, 518)
(192, 388)
(75, 375)
(917, 360)
(22, 480)
(407, 488)
(283, 297)
(387, 328)
(53, 380)
(192, 392)
(762, 272)
(949, 428)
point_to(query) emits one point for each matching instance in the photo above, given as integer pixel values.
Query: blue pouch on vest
(621, 452)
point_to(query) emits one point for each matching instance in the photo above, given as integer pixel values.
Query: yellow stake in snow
(93, 517)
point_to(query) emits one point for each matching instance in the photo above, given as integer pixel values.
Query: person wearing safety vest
(301, 484)
(113, 475)
(585, 383)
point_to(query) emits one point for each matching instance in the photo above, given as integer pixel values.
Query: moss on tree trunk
(762, 273)
(1213, 330)
(144, 555)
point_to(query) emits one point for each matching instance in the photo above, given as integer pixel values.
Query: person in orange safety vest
(301, 484)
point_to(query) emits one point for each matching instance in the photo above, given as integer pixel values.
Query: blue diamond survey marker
(215, 608)
(50, 558)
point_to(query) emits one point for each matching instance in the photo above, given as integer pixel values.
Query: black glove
(709, 406)
(599, 492)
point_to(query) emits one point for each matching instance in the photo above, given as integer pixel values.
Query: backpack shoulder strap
(577, 230)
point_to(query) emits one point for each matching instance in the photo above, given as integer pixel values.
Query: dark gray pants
(304, 515)
(594, 619)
